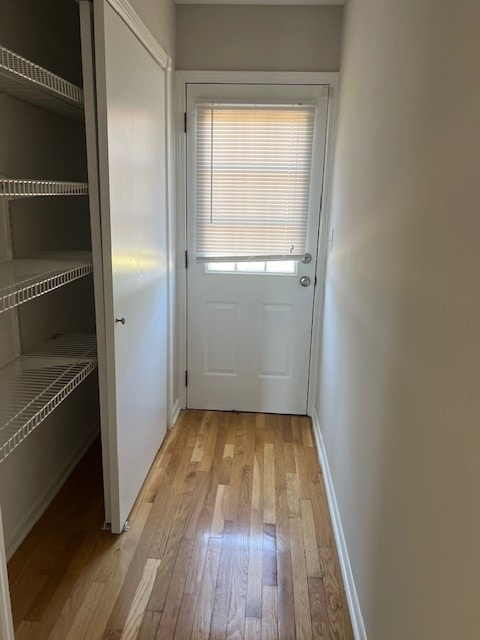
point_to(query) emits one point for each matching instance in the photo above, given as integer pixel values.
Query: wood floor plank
(174, 597)
(293, 495)
(215, 473)
(226, 465)
(259, 438)
(69, 597)
(23, 598)
(197, 562)
(87, 612)
(321, 517)
(169, 557)
(122, 554)
(279, 425)
(211, 439)
(269, 428)
(253, 628)
(140, 600)
(26, 630)
(307, 435)
(312, 559)
(201, 440)
(318, 609)
(197, 502)
(55, 578)
(122, 605)
(223, 586)
(290, 457)
(255, 566)
(233, 493)
(206, 597)
(303, 623)
(269, 613)
(183, 630)
(218, 520)
(239, 579)
(149, 628)
(269, 508)
(285, 599)
(269, 555)
(297, 432)
(230, 538)
(338, 619)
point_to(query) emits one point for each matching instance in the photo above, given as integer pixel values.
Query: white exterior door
(132, 168)
(249, 323)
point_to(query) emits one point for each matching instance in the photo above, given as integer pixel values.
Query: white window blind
(253, 170)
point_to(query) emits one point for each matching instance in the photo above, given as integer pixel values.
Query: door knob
(305, 281)
(122, 320)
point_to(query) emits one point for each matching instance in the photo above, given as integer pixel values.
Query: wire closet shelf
(24, 279)
(32, 386)
(11, 188)
(30, 82)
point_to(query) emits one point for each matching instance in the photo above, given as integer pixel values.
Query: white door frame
(182, 79)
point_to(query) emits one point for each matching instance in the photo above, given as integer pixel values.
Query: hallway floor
(230, 538)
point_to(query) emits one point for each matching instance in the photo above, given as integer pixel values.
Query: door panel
(221, 349)
(249, 334)
(132, 162)
(277, 330)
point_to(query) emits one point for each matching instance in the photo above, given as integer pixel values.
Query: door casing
(183, 78)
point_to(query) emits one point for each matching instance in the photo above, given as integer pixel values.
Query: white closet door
(132, 164)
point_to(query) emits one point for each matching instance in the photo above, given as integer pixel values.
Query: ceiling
(325, 2)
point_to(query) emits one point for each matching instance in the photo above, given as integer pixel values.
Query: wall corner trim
(141, 31)
(351, 592)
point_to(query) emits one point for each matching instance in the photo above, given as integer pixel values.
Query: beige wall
(258, 38)
(159, 16)
(400, 401)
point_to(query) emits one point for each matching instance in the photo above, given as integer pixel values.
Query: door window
(253, 171)
(277, 267)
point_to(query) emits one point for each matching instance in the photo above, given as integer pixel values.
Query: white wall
(258, 37)
(399, 398)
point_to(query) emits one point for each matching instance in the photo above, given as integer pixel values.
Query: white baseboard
(175, 412)
(350, 589)
(24, 527)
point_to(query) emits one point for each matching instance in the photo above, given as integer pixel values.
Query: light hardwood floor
(230, 538)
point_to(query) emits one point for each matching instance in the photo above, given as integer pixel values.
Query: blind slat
(253, 172)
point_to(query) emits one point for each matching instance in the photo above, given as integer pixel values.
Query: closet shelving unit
(24, 279)
(28, 81)
(34, 384)
(11, 189)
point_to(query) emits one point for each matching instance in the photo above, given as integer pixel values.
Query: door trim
(182, 79)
